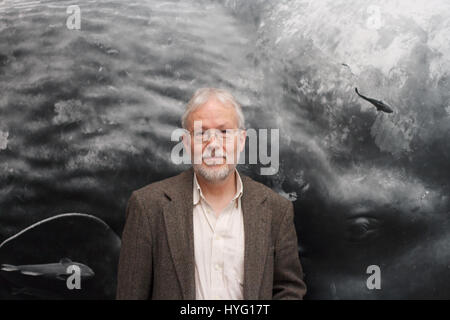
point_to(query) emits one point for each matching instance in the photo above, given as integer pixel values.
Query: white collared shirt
(219, 247)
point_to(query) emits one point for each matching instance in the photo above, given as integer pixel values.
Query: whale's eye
(362, 228)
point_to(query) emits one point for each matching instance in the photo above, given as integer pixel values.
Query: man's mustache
(213, 153)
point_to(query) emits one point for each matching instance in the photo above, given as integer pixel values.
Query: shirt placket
(220, 232)
(217, 261)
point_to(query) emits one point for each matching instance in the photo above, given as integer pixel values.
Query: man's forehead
(215, 115)
(213, 123)
(216, 106)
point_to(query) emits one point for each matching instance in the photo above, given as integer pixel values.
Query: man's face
(214, 140)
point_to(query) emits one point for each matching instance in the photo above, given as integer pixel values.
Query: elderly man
(209, 232)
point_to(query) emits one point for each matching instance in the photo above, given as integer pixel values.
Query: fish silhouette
(55, 271)
(380, 105)
(46, 281)
(35, 264)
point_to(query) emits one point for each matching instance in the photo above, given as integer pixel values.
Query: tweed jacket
(157, 254)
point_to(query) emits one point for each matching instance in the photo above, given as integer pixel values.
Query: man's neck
(219, 190)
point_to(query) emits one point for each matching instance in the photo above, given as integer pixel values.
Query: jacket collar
(197, 190)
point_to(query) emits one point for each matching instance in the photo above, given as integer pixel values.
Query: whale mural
(86, 117)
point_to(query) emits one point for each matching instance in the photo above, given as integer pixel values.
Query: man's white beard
(214, 174)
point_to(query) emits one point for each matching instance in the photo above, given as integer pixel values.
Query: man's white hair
(202, 95)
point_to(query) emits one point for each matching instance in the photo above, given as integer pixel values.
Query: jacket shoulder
(274, 199)
(156, 190)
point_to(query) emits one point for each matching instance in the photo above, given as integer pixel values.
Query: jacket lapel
(256, 229)
(179, 229)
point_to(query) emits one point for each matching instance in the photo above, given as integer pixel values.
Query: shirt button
(217, 237)
(217, 267)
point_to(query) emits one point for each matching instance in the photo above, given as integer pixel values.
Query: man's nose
(212, 138)
(214, 142)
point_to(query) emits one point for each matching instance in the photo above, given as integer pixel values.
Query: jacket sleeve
(288, 273)
(134, 280)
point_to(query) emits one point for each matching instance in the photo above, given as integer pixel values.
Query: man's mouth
(214, 160)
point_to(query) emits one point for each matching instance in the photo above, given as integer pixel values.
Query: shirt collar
(198, 191)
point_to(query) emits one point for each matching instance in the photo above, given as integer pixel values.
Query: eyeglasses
(219, 134)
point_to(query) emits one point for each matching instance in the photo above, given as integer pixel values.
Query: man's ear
(242, 138)
(186, 137)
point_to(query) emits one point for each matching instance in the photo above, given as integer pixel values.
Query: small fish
(55, 271)
(380, 105)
